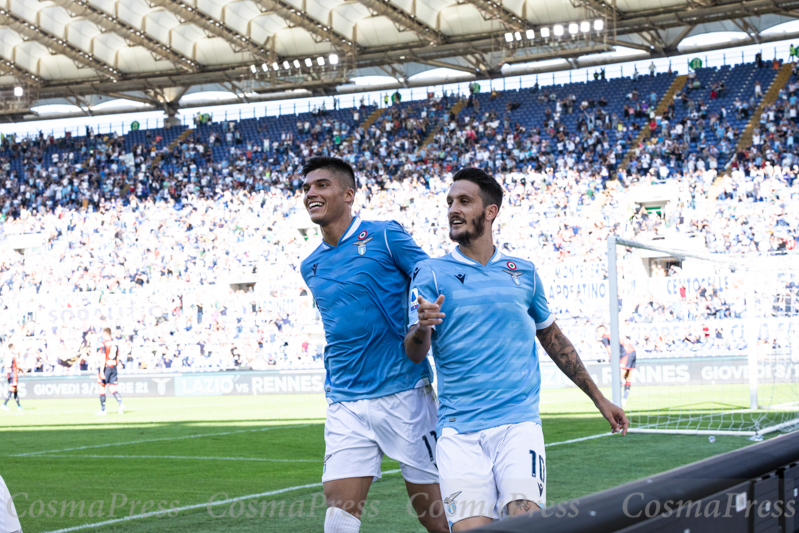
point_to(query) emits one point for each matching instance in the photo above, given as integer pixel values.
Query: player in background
(379, 401)
(108, 374)
(482, 311)
(11, 365)
(626, 358)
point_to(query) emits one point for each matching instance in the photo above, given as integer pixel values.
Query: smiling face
(466, 212)
(327, 199)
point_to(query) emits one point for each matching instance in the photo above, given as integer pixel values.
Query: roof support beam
(447, 64)
(494, 10)
(404, 20)
(140, 99)
(12, 69)
(602, 9)
(628, 44)
(108, 22)
(673, 45)
(238, 41)
(302, 19)
(34, 32)
(747, 28)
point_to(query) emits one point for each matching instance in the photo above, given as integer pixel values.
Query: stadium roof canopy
(154, 52)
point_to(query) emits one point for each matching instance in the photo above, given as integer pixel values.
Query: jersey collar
(459, 257)
(356, 221)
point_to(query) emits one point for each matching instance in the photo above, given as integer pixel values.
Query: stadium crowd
(195, 259)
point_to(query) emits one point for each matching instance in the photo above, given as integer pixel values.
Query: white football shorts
(482, 471)
(9, 520)
(401, 426)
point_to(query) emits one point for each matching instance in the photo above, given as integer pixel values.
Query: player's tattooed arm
(562, 351)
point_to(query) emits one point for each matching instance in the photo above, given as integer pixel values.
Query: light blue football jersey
(360, 287)
(485, 353)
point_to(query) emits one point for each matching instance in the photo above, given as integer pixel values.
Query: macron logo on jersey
(461, 277)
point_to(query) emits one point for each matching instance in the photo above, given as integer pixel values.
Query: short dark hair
(333, 164)
(490, 189)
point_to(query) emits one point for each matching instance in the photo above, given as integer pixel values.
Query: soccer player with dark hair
(379, 401)
(108, 375)
(11, 365)
(482, 311)
(627, 359)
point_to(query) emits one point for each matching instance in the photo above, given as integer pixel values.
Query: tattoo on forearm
(561, 350)
(417, 340)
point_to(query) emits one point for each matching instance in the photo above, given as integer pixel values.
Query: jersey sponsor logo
(461, 277)
(414, 299)
(449, 501)
(540, 489)
(314, 267)
(361, 244)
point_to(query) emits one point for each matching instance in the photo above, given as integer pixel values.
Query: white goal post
(689, 414)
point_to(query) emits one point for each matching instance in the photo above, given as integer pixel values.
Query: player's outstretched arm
(562, 351)
(417, 341)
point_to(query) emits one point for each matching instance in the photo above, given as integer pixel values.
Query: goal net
(716, 339)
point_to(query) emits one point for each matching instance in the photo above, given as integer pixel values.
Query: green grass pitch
(182, 452)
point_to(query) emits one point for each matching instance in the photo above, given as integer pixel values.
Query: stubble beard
(465, 238)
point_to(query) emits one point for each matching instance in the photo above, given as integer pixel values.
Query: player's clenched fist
(430, 312)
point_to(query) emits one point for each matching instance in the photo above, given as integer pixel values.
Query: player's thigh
(520, 465)
(351, 450)
(467, 481)
(405, 429)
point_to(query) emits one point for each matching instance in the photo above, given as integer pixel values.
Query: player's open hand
(430, 312)
(615, 415)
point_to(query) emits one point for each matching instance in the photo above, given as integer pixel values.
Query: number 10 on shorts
(541, 465)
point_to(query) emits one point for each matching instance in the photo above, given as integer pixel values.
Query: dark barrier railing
(754, 489)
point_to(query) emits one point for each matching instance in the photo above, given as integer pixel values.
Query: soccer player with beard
(379, 401)
(482, 311)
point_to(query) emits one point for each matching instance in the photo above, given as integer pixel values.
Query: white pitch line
(581, 439)
(156, 440)
(186, 457)
(196, 506)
